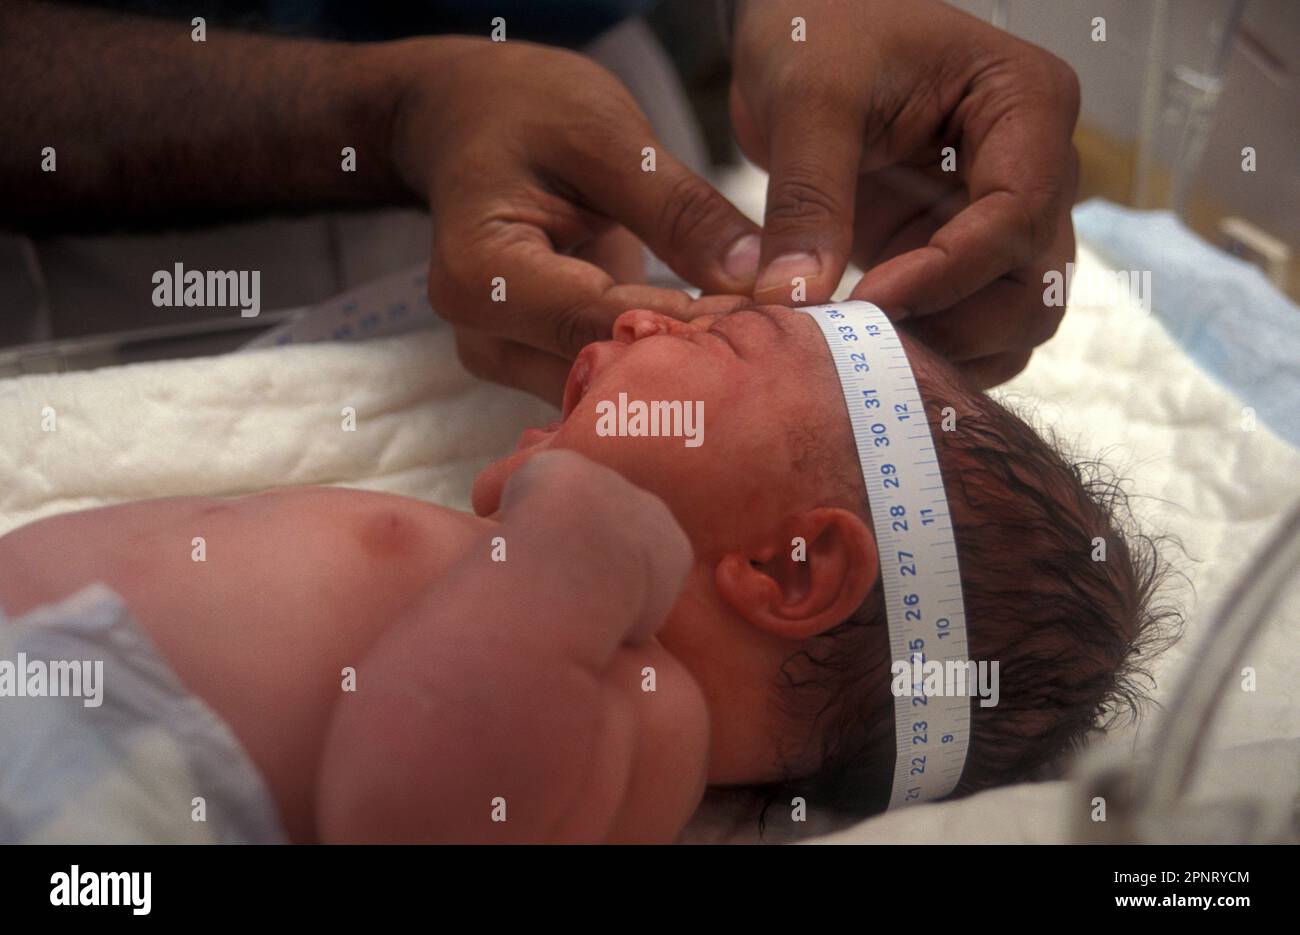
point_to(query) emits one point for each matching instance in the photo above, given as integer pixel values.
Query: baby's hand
(622, 537)
(518, 679)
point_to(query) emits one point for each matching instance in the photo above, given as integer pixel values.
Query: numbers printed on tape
(918, 556)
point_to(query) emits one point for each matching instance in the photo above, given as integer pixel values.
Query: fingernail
(782, 272)
(741, 261)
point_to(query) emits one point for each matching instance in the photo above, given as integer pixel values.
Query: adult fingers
(513, 364)
(816, 140)
(996, 369)
(1018, 138)
(1004, 315)
(510, 283)
(680, 216)
(1010, 316)
(618, 252)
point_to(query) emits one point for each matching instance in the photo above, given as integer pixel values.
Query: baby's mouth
(591, 360)
(575, 388)
(580, 375)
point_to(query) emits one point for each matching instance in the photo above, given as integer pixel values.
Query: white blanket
(1111, 382)
(244, 422)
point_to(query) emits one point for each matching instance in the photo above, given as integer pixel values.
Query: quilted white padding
(244, 422)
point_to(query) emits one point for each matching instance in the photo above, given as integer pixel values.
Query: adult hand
(535, 166)
(852, 123)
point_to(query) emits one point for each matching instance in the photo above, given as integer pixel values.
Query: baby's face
(756, 381)
(768, 415)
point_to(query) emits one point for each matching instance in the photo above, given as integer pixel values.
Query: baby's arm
(515, 687)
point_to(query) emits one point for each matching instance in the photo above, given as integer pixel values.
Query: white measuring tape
(918, 556)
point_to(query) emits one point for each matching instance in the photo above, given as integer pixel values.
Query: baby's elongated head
(739, 424)
(1059, 588)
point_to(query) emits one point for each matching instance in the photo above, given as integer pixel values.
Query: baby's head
(792, 652)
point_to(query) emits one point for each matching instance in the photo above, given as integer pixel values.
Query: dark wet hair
(1073, 637)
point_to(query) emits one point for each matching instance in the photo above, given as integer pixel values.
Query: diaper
(101, 743)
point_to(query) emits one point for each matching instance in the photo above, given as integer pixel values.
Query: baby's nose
(638, 323)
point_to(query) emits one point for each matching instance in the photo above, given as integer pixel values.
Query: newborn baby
(507, 700)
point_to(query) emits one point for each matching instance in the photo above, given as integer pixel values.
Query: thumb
(808, 226)
(681, 217)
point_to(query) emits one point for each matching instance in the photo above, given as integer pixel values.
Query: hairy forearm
(152, 129)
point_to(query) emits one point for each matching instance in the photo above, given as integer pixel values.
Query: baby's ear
(812, 575)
